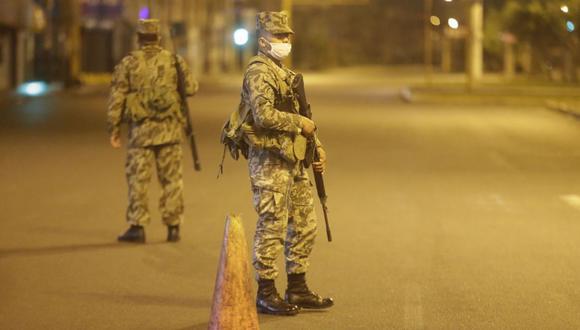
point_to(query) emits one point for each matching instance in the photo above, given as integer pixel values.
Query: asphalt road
(444, 216)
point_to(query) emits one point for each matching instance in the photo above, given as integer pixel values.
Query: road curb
(564, 107)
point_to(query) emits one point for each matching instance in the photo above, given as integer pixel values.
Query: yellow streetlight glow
(435, 20)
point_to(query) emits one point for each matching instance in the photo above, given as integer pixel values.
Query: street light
(436, 21)
(565, 9)
(429, 20)
(33, 88)
(453, 23)
(241, 37)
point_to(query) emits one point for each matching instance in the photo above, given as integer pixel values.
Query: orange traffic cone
(233, 305)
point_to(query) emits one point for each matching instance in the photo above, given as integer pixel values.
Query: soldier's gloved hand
(115, 141)
(307, 126)
(320, 166)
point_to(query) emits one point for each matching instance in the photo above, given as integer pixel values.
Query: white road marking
(498, 199)
(413, 307)
(494, 201)
(572, 200)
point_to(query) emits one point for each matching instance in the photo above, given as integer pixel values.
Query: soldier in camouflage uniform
(144, 95)
(280, 184)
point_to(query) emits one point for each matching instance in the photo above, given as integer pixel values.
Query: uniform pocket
(268, 201)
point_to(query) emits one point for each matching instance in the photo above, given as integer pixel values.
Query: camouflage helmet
(273, 22)
(148, 26)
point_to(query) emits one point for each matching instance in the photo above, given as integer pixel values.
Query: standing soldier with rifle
(144, 94)
(270, 132)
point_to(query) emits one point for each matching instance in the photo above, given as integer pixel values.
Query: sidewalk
(571, 107)
(494, 90)
(405, 83)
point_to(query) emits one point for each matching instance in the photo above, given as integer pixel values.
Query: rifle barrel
(327, 224)
(304, 110)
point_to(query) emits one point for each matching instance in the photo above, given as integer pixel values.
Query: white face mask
(279, 50)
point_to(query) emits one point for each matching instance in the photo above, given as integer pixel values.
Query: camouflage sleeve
(191, 84)
(261, 86)
(119, 90)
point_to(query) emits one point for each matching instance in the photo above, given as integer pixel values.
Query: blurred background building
(79, 41)
(20, 22)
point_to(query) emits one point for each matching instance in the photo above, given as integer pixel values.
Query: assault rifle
(312, 153)
(189, 133)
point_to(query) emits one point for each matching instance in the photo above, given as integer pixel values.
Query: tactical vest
(239, 133)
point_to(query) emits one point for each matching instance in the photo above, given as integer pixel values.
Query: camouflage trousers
(139, 169)
(283, 199)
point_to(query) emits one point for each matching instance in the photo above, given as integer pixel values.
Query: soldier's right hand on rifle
(320, 165)
(115, 141)
(308, 127)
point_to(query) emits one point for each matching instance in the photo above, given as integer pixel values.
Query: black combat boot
(270, 302)
(173, 233)
(135, 234)
(299, 294)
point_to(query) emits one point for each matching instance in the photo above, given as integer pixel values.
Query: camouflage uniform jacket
(148, 127)
(273, 120)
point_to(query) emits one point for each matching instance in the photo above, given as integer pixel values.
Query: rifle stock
(193, 147)
(321, 190)
(185, 109)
